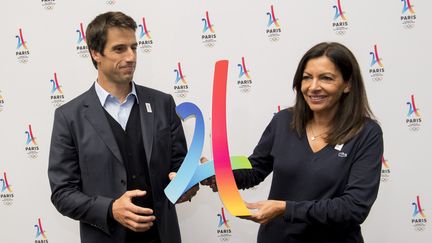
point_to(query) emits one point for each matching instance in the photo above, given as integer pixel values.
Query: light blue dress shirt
(119, 111)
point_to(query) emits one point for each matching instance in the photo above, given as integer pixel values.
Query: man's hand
(266, 210)
(211, 181)
(187, 196)
(133, 217)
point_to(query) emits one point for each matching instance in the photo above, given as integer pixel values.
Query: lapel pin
(148, 107)
(339, 147)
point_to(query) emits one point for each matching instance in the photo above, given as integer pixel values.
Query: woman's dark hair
(96, 33)
(353, 110)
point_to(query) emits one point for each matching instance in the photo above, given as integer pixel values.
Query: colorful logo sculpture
(192, 172)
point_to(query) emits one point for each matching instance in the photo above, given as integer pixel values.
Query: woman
(324, 154)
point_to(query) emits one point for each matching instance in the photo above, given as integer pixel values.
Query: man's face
(117, 64)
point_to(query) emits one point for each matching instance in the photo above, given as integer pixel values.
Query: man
(115, 147)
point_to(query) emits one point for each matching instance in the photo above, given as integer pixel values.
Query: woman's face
(323, 85)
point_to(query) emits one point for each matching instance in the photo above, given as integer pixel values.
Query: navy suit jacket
(86, 170)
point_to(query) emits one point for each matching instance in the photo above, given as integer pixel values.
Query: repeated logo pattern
(57, 96)
(376, 68)
(419, 219)
(81, 45)
(340, 22)
(273, 29)
(2, 102)
(208, 36)
(145, 41)
(408, 16)
(385, 170)
(181, 85)
(31, 146)
(6, 192)
(379, 58)
(48, 4)
(223, 229)
(414, 119)
(41, 236)
(244, 81)
(22, 51)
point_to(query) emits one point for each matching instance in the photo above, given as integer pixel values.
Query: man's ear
(96, 55)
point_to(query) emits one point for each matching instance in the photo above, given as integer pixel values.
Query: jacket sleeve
(178, 145)
(64, 175)
(354, 204)
(261, 161)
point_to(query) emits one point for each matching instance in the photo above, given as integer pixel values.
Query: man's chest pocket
(163, 139)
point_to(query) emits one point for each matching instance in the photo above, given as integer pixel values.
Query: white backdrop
(50, 46)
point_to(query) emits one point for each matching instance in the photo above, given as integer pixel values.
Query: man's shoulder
(146, 91)
(75, 102)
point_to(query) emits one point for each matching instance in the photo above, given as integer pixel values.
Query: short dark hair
(96, 33)
(353, 110)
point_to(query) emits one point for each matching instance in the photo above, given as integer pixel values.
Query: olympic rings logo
(48, 6)
(409, 26)
(340, 32)
(414, 128)
(377, 79)
(32, 155)
(419, 228)
(146, 49)
(245, 90)
(7, 202)
(210, 44)
(274, 38)
(182, 95)
(23, 60)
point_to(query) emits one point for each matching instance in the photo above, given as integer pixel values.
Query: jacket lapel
(147, 118)
(95, 114)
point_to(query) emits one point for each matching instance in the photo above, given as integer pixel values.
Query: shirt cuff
(111, 220)
(289, 211)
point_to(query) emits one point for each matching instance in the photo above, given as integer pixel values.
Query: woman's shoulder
(284, 115)
(371, 125)
(370, 131)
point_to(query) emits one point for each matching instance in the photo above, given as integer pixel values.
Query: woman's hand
(266, 210)
(187, 196)
(211, 181)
